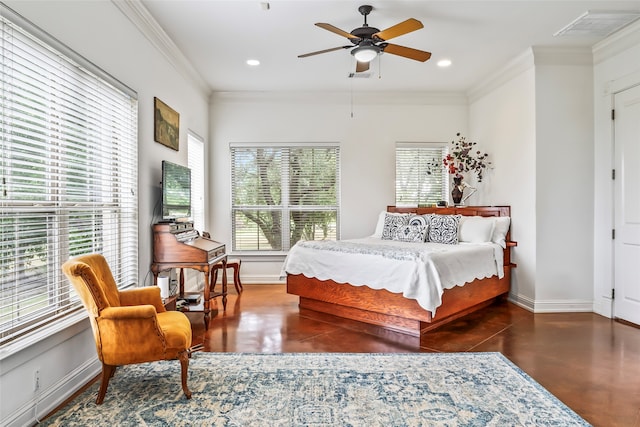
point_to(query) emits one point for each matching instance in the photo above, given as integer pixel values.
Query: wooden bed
(393, 311)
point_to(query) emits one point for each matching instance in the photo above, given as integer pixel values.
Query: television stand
(178, 245)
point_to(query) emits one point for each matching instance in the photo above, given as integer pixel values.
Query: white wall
(367, 142)
(100, 32)
(502, 119)
(536, 115)
(617, 66)
(564, 179)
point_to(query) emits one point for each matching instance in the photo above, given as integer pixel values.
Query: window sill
(46, 337)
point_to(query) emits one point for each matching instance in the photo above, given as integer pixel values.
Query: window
(68, 170)
(282, 194)
(420, 176)
(195, 161)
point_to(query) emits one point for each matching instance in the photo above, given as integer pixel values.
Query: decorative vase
(458, 188)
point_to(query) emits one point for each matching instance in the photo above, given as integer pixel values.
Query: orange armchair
(130, 326)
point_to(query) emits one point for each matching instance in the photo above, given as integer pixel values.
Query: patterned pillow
(419, 220)
(411, 233)
(444, 229)
(392, 223)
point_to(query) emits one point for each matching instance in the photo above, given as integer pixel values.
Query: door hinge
(613, 234)
(613, 174)
(613, 114)
(613, 294)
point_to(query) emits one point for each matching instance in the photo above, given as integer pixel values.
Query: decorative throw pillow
(393, 223)
(419, 220)
(444, 229)
(475, 229)
(411, 233)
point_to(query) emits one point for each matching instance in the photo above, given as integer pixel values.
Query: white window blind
(68, 168)
(195, 150)
(282, 194)
(420, 175)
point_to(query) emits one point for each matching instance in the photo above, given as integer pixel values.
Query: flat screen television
(176, 191)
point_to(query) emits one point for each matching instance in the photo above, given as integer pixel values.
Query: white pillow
(476, 229)
(380, 225)
(500, 230)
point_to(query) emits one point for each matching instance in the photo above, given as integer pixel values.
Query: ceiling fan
(369, 41)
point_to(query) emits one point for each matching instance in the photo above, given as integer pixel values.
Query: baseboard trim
(552, 306)
(52, 397)
(522, 301)
(563, 306)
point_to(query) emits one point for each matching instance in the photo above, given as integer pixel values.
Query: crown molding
(135, 11)
(533, 56)
(341, 97)
(618, 42)
(513, 68)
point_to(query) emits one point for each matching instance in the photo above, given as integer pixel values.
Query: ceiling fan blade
(407, 52)
(336, 30)
(362, 66)
(399, 29)
(323, 51)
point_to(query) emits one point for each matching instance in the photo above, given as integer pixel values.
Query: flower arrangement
(462, 159)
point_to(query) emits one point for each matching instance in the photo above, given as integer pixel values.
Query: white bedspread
(420, 271)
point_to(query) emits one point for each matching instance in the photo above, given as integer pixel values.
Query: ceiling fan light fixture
(365, 53)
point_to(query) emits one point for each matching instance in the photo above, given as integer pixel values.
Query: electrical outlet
(36, 380)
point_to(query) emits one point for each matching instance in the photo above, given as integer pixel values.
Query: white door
(627, 205)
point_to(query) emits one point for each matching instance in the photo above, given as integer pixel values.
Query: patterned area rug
(322, 389)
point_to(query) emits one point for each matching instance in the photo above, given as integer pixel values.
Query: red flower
(459, 160)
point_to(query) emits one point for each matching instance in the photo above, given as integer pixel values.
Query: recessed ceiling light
(253, 62)
(444, 63)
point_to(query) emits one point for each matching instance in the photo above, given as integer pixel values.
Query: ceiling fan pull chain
(351, 98)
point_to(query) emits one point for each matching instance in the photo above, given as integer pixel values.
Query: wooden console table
(178, 245)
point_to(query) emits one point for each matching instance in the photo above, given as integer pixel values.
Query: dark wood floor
(589, 362)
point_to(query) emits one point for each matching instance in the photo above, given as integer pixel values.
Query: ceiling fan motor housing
(363, 33)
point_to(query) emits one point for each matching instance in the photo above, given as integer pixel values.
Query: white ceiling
(479, 36)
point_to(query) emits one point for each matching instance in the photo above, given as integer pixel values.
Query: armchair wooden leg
(184, 364)
(107, 373)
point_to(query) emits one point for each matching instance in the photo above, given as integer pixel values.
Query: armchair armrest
(141, 312)
(142, 296)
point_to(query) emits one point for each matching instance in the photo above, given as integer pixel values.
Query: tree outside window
(283, 194)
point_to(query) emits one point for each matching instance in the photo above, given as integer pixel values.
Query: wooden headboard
(467, 211)
(453, 210)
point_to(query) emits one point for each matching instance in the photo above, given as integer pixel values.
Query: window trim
(196, 162)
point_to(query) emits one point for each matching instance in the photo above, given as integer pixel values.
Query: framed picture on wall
(166, 125)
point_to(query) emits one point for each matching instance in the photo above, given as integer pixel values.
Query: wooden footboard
(394, 311)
